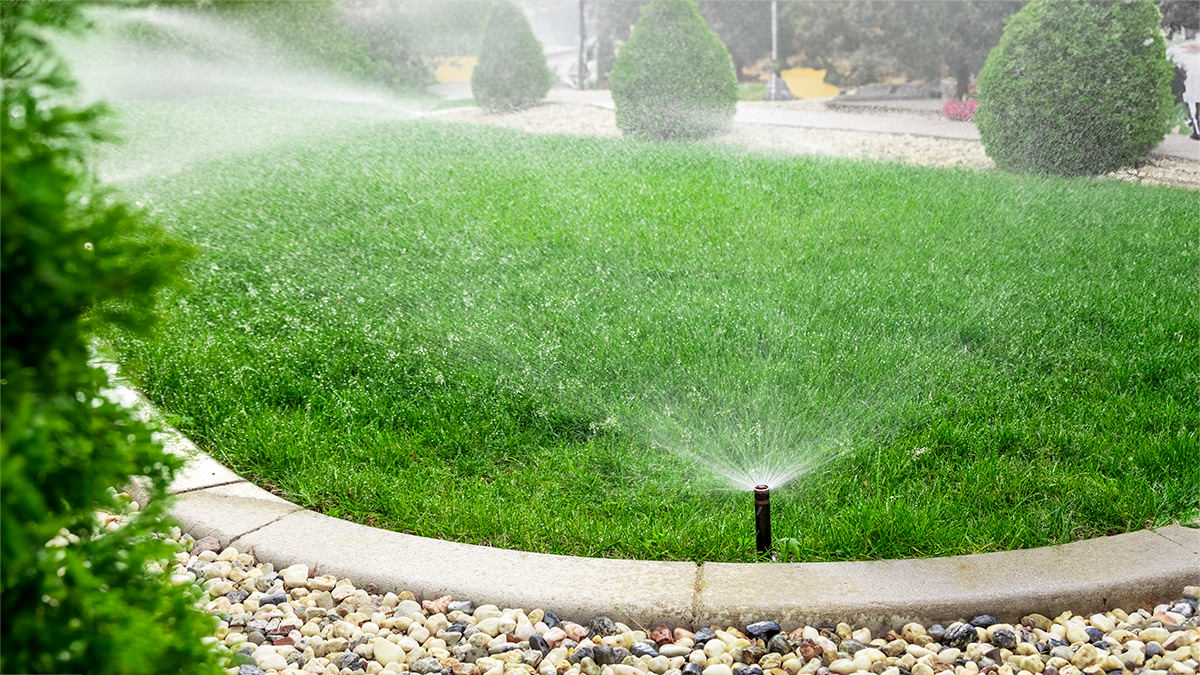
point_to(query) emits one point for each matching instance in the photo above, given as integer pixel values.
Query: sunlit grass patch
(584, 346)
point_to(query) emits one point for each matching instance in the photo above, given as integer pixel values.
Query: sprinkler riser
(762, 518)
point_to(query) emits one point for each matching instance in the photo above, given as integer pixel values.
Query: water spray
(762, 518)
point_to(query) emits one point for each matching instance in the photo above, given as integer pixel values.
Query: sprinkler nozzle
(762, 518)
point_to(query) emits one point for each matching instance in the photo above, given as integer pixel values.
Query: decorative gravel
(588, 120)
(295, 621)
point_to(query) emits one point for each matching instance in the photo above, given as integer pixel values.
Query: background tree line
(855, 41)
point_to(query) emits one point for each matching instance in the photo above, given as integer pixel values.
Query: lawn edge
(1120, 571)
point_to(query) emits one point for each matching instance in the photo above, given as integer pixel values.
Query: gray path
(917, 124)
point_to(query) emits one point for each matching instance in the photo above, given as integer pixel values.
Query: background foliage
(854, 41)
(314, 33)
(73, 256)
(428, 29)
(861, 41)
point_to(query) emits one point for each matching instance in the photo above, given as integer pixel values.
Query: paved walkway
(813, 115)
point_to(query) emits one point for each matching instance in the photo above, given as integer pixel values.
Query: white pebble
(386, 652)
(294, 576)
(327, 582)
(843, 667)
(486, 612)
(1103, 623)
(714, 647)
(409, 608)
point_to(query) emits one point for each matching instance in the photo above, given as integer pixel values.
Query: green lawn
(582, 346)
(752, 91)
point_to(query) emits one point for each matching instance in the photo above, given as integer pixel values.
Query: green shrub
(511, 73)
(1076, 88)
(673, 79)
(75, 597)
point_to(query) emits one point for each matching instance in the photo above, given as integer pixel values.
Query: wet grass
(449, 104)
(752, 91)
(558, 344)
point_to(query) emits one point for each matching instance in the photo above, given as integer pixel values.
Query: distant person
(1186, 55)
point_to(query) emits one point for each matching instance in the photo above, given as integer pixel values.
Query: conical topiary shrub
(1076, 87)
(512, 73)
(674, 78)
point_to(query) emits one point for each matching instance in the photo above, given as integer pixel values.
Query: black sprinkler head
(762, 518)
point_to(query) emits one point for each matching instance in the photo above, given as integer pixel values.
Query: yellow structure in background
(453, 68)
(808, 83)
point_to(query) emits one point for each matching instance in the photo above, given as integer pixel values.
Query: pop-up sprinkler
(762, 518)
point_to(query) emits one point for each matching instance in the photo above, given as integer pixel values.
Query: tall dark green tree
(862, 40)
(841, 38)
(73, 596)
(744, 27)
(511, 73)
(614, 21)
(673, 79)
(1180, 16)
(933, 38)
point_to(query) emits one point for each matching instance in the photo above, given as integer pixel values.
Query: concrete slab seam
(697, 593)
(233, 540)
(1194, 551)
(205, 487)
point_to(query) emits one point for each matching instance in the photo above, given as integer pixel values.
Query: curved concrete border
(1127, 570)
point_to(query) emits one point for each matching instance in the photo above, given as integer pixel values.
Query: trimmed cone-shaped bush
(1076, 87)
(512, 73)
(673, 79)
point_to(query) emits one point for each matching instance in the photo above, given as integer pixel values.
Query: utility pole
(774, 36)
(582, 46)
(777, 89)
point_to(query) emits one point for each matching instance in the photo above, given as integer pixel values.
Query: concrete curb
(1131, 570)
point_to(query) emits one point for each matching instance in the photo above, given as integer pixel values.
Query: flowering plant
(959, 109)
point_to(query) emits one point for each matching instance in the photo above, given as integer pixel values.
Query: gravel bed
(296, 621)
(588, 120)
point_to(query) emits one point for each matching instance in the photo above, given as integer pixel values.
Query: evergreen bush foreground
(75, 597)
(512, 73)
(673, 79)
(1076, 88)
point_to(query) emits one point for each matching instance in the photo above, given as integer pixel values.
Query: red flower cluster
(960, 109)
